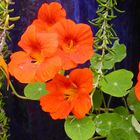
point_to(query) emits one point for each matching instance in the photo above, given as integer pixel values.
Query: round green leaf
(82, 129)
(106, 122)
(108, 61)
(127, 123)
(118, 134)
(121, 110)
(35, 90)
(117, 83)
(116, 54)
(95, 61)
(118, 51)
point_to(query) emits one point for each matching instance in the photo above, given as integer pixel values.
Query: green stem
(109, 100)
(15, 93)
(106, 109)
(91, 97)
(125, 103)
(12, 87)
(98, 137)
(103, 109)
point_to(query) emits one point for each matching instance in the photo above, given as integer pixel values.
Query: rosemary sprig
(5, 26)
(105, 34)
(3, 121)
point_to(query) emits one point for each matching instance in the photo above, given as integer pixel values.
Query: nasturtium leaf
(135, 124)
(82, 129)
(116, 54)
(108, 61)
(121, 110)
(97, 99)
(134, 104)
(118, 51)
(35, 90)
(117, 83)
(126, 124)
(105, 122)
(95, 61)
(118, 134)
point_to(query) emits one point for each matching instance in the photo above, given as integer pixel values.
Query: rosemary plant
(5, 26)
(105, 35)
(3, 121)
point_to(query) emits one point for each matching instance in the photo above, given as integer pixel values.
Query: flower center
(70, 93)
(37, 58)
(51, 22)
(69, 45)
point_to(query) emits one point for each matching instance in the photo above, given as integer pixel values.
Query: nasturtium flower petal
(51, 13)
(21, 67)
(39, 59)
(53, 85)
(75, 42)
(137, 86)
(65, 95)
(83, 82)
(82, 107)
(32, 41)
(25, 70)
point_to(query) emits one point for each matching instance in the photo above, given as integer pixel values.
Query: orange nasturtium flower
(69, 94)
(4, 67)
(38, 61)
(75, 43)
(137, 87)
(49, 14)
